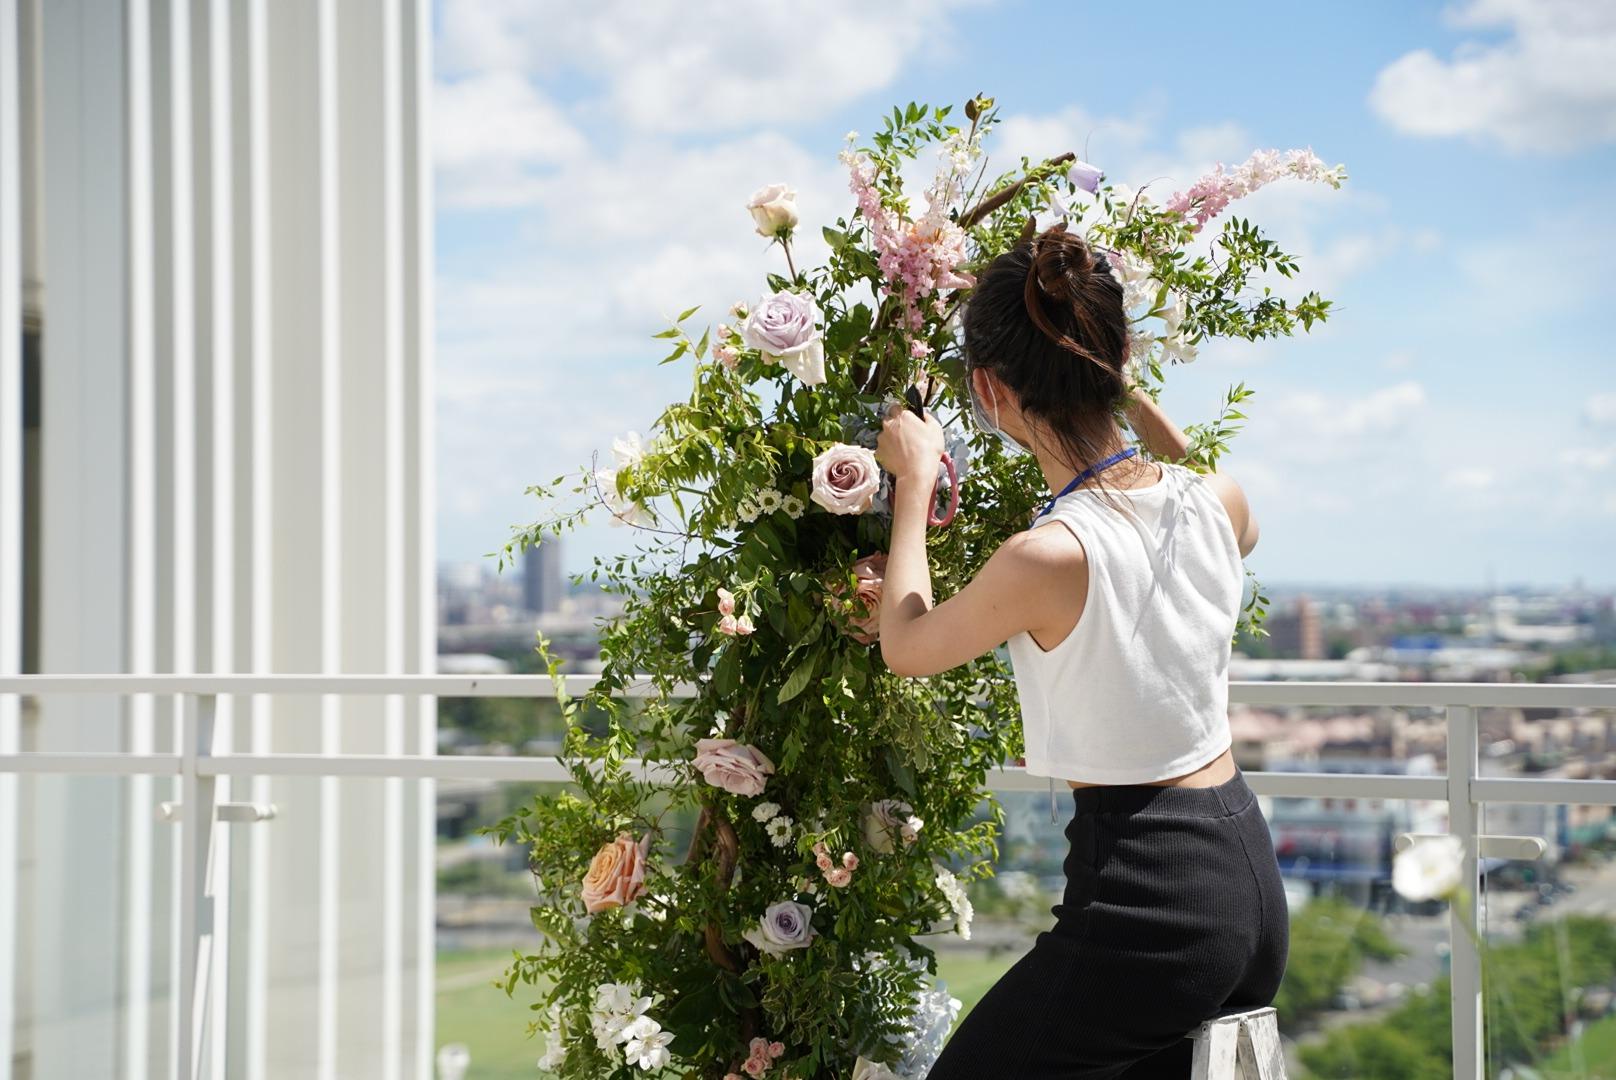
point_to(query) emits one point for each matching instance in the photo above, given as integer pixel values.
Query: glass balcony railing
(261, 891)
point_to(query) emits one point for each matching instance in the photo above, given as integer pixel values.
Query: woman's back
(1137, 690)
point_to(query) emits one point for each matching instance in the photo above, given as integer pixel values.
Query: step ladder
(1238, 1046)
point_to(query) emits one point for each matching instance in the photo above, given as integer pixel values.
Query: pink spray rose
(735, 624)
(785, 328)
(616, 874)
(846, 478)
(733, 766)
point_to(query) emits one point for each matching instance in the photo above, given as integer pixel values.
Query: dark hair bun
(1068, 285)
(1061, 262)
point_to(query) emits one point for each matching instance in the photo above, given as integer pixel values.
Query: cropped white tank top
(1139, 689)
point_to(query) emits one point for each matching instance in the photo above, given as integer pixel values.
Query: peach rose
(733, 766)
(869, 574)
(616, 873)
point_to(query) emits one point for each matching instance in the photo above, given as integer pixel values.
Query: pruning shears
(919, 394)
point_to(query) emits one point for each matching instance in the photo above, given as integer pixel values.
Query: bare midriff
(1214, 772)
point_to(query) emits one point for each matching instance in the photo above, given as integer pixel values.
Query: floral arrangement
(836, 805)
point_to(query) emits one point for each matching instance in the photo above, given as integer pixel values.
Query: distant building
(1297, 633)
(541, 577)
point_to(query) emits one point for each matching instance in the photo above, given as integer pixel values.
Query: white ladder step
(1240, 1046)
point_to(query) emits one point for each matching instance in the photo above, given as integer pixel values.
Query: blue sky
(1455, 421)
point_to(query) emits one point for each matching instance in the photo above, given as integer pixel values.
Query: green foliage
(1329, 941)
(1529, 988)
(841, 729)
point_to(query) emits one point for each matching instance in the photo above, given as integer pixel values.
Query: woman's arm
(1159, 434)
(1163, 438)
(1012, 592)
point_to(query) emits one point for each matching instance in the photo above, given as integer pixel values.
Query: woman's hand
(909, 446)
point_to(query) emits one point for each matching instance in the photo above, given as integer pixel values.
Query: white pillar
(11, 484)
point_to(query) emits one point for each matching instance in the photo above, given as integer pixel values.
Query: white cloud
(1470, 478)
(1600, 409)
(1550, 85)
(702, 65)
(1589, 458)
(492, 134)
(1352, 419)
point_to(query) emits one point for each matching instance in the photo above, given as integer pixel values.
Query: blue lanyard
(1085, 474)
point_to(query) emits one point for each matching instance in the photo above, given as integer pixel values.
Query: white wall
(235, 472)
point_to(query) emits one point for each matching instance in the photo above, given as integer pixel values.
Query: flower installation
(742, 877)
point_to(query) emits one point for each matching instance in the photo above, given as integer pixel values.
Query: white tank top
(1139, 689)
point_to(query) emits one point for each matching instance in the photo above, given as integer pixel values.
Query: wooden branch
(727, 849)
(1006, 193)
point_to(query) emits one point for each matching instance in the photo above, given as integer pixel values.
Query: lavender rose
(737, 768)
(785, 926)
(846, 478)
(785, 328)
(774, 209)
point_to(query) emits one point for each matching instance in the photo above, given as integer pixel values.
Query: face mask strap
(1004, 437)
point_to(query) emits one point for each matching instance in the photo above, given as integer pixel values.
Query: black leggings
(1173, 913)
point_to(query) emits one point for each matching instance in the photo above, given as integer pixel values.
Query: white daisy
(768, 500)
(793, 506)
(746, 510)
(779, 830)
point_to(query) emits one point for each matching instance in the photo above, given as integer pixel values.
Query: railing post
(196, 915)
(1464, 929)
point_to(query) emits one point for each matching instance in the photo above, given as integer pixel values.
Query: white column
(255, 521)
(213, 105)
(420, 618)
(11, 481)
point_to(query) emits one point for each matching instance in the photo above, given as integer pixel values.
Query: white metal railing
(198, 768)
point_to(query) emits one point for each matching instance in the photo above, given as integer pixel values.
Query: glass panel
(1550, 928)
(329, 949)
(1366, 988)
(1363, 965)
(93, 887)
(484, 895)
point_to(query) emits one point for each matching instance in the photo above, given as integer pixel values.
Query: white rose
(774, 208)
(886, 820)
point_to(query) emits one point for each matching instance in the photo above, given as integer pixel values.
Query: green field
(474, 1012)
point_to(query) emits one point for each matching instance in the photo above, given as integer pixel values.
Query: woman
(1119, 626)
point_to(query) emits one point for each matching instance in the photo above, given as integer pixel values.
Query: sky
(1452, 424)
